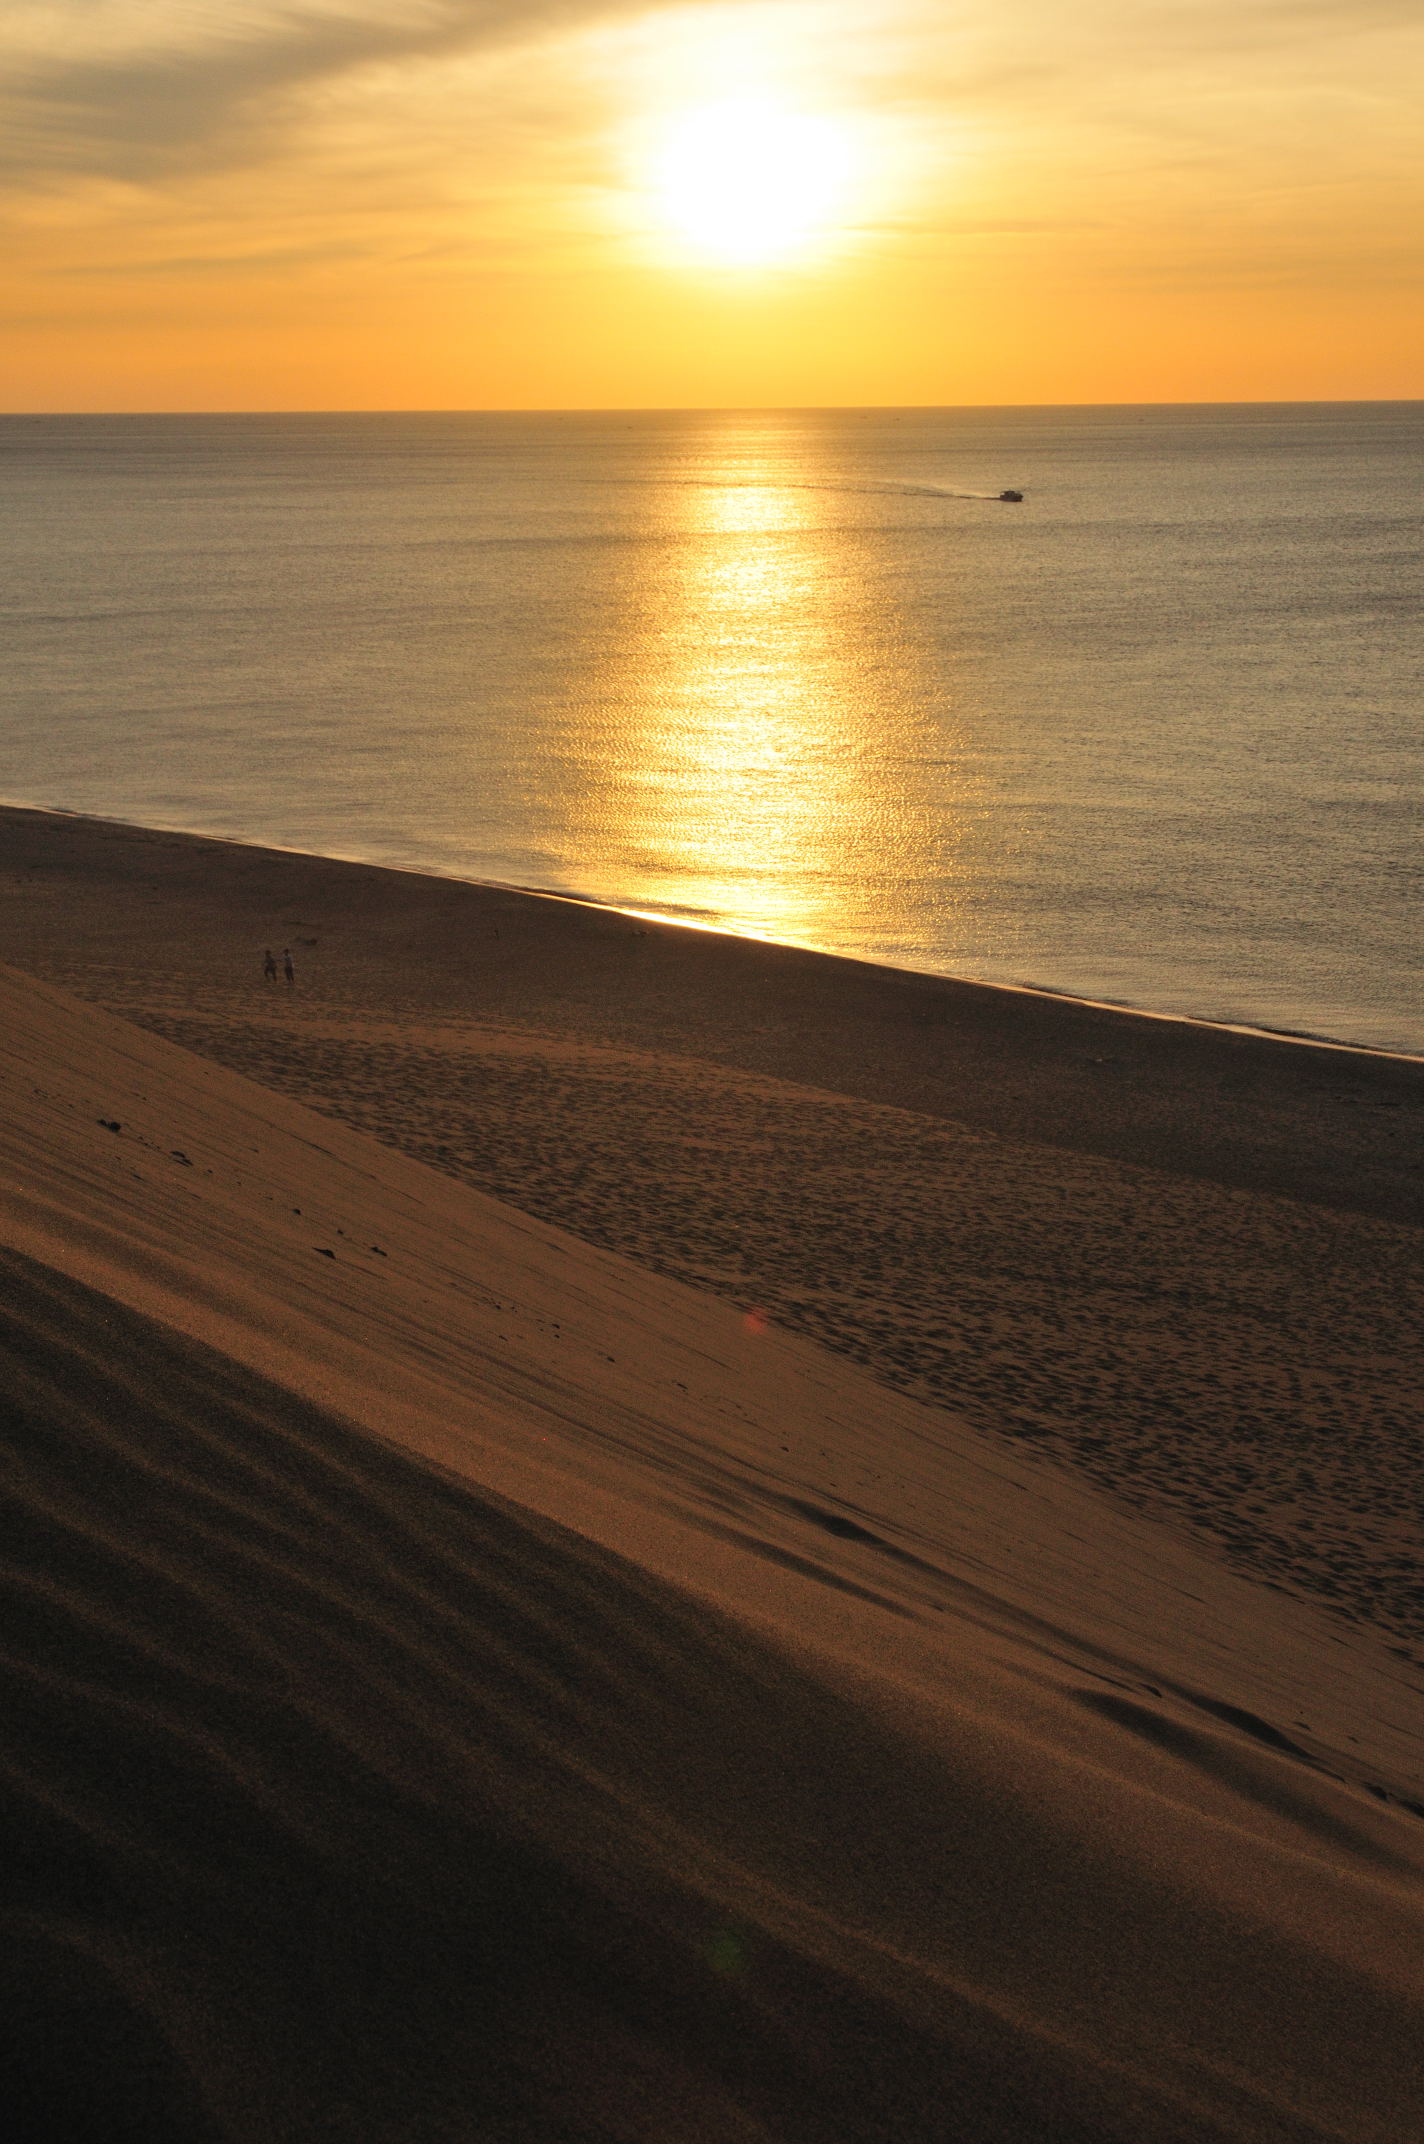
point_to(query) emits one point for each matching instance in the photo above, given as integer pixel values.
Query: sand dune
(459, 1684)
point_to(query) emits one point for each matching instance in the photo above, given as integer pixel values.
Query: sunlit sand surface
(463, 1681)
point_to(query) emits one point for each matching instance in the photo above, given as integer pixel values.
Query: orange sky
(478, 203)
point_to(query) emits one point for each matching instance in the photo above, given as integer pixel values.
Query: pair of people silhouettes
(269, 965)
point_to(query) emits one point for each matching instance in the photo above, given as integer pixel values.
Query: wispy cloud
(136, 92)
(264, 261)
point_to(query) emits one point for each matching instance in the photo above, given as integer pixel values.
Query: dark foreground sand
(461, 1684)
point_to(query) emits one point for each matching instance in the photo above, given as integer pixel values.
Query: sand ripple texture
(345, 1802)
(342, 1802)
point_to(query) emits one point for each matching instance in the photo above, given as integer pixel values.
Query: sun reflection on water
(762, 759)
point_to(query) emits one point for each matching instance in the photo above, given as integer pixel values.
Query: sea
(1152, 733)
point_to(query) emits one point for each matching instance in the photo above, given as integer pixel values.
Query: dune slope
(458, 1685)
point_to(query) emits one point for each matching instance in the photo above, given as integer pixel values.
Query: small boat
(1012, 498)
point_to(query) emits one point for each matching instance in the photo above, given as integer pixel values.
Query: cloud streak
(209, 95)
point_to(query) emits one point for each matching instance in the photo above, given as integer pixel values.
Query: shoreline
(1053, 995)
(1239, 1107)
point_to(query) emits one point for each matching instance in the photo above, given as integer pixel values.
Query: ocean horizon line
(686, 409)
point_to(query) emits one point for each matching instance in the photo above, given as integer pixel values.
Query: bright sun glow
(749, 181)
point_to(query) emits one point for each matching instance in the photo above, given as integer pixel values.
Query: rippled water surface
(1154, 734)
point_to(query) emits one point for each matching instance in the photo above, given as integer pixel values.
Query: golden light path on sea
(757, 753)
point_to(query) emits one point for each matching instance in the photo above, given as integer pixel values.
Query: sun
(749, 181)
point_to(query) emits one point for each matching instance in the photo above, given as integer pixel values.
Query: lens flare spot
(726, 1953)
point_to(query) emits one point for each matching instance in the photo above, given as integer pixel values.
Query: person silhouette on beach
(269, 965)
(287, 969)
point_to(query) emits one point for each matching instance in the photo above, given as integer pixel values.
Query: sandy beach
(621, 1534)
